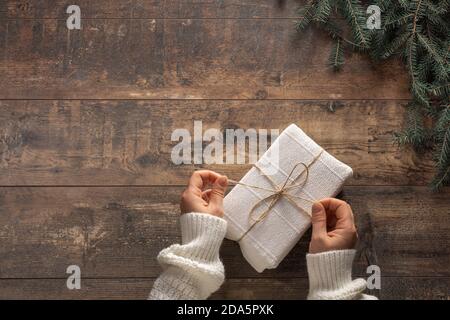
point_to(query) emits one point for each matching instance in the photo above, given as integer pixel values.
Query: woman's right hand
(333, 226)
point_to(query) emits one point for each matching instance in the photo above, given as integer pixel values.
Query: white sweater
(193, 270)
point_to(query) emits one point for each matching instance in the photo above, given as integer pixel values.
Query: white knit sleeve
(330, 277)
(193, 269)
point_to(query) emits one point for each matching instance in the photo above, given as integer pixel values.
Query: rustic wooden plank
(140, 288)
(232, 9)
(107, 232)
(3, 10)
(3, 43)
(248, 289)
(129, 142)
(183, 58)
(408, 227)
(118, 232)
(415, 288)
(51, 9)
(153, 9)
(56, 289)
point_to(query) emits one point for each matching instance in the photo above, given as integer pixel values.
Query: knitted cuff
(330, 275)
(204, 232)
(193, 269)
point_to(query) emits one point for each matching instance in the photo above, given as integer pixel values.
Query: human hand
(333, 227)
(198, 198)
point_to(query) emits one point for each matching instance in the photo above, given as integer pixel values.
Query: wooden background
(85, 124)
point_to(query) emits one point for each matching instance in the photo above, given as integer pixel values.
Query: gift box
(269, 209)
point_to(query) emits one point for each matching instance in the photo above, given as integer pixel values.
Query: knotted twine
(278, 192)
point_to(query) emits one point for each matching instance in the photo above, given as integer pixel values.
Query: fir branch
(306, 15)
(398, 20)
(442, 90)
(435, 9)
(403, 3)
(415, 133)
(442, 157)
(441, 179)
(416, 15)
(335, 32)
(354, 14)
(434, 53)
(418, 89)
(417, 29)
(336, 59)
(322, 11)
(444, 154)
(391, 48)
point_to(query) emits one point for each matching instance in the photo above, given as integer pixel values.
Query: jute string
(278, 191)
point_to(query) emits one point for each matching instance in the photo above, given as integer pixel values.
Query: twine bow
(278, 192)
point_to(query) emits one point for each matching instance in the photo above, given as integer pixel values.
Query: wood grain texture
(140, 288)
(88, 180)
(404, 230)
(243, 9)
(118, 232)
(108, 232)
(182, 59)
(56, 9)
(129, 142)
(153, 9)
(248, 289)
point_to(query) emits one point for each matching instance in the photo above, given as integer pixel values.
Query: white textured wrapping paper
(271, 239)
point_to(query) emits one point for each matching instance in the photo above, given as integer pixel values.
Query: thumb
(318, 219)
(218, 191)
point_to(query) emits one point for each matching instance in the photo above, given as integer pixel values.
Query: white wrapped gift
(268, 221)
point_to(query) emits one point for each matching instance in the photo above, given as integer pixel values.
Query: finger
(201, 178)
(336, 207)
(318, 220)
(206, 195)
(347, 220)
(350, 213)
(218, 191)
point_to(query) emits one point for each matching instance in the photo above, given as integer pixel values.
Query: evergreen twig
(418, 31)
